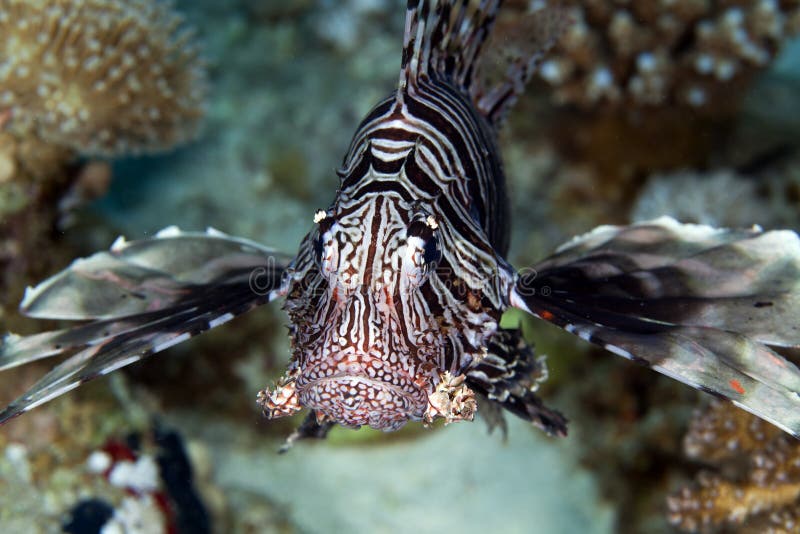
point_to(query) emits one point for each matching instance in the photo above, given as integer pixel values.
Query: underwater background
(689, 108)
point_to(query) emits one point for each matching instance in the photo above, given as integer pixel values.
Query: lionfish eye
(424, 230)
(324, 223)
(432, 253)
(317, 244)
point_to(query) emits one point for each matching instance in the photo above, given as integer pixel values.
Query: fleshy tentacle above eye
(139, 298)
(699, 304)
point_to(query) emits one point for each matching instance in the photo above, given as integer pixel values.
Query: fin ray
(139, 276)
(696, 303)
(185, 284)
(509, 375)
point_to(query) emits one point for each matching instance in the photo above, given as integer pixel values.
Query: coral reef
(751, 476)
(592, 166)
(86, 462)
(100, 77)
(650, 53)
(88, 466)
(645, 89)
(720, 198)
(626, 423)
(767, 195)
(42, 470)
(76, 79)
(33, 177)
(79, 78)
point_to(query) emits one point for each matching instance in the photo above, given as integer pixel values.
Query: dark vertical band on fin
(138, 299)
(698, 304)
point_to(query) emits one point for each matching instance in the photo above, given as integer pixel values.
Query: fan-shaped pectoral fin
(698, 304)
(137, 299)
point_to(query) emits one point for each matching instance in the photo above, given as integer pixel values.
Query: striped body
(394, 297)
(376, 323)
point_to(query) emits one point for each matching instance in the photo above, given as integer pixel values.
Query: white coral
(719, 198)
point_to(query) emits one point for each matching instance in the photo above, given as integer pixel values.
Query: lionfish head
(363, 338)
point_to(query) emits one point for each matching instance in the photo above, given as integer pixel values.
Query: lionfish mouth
(354, 400)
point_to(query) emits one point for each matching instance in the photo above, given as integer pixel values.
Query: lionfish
(395, 296)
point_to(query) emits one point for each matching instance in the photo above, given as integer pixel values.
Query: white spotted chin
(356, 400)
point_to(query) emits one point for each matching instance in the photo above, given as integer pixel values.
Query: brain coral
(101, 77)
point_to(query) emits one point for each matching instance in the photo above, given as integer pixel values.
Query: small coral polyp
(644, 53)
(101, 77)
(751, 476)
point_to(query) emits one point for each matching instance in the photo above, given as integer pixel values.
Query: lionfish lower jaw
(354, 400)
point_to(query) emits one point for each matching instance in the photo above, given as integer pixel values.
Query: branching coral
(100, 76)
(756, 483)
(649, 52)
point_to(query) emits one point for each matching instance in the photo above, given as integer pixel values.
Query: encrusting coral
(755, 484)
(100, 77)
(655, 53)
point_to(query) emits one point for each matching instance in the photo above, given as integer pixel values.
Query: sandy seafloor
(287, 94)
(457, 479)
